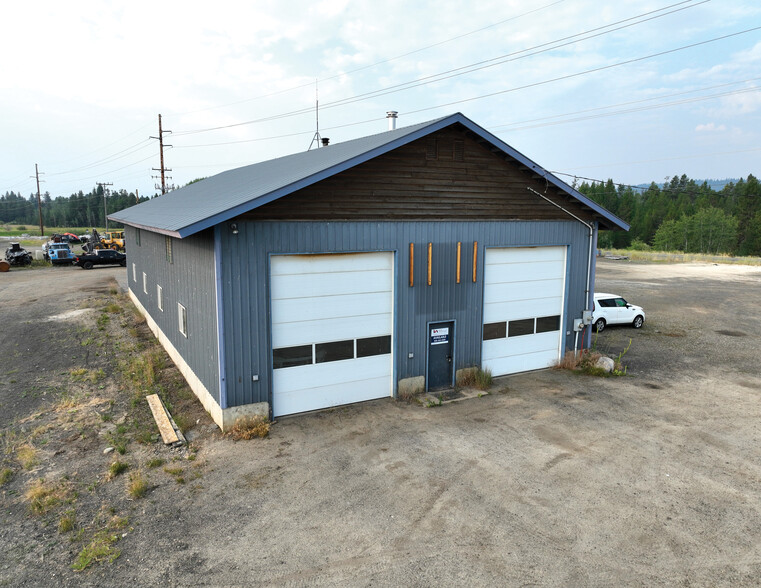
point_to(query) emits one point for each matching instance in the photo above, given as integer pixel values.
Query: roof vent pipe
(391, 116)
(325, 141)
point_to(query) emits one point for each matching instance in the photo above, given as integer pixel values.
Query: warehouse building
(356, 270)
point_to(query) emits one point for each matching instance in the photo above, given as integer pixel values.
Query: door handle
(449, 358)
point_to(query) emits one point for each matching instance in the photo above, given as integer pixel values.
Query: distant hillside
(716, 185)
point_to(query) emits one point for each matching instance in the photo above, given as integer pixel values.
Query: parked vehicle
(101, 257)
(60, 254)
(17, 255)
(612, 309)
(113, 240)
(109, 240)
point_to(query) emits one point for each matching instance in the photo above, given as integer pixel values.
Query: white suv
(611, 309)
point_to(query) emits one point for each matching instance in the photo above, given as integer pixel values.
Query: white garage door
(524, 289)
(332, 318)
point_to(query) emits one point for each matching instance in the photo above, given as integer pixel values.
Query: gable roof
(203, 204)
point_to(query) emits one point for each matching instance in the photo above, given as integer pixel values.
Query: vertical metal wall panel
(189, 280)
(245, 268)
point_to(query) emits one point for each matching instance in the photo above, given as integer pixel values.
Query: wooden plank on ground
(168, 434)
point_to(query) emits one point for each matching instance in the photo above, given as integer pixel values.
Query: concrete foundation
(409, 387)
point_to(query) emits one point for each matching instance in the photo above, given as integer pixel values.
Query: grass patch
(250, 427)
(137, 487)
(117, 468)
(43, 496)
(85, 375)
(6, 474)
(67, 521)
(27, 456)
(679, 257)
(113, 308)
(475, 377)
(156, 462)
(100, 548)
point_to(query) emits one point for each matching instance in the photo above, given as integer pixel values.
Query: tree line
(682, 215)
(77, 210)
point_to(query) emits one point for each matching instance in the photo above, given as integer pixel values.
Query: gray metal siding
(245, 277)
(189, 280)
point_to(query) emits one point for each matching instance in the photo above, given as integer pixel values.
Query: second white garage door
(524, 292)
(332, 319)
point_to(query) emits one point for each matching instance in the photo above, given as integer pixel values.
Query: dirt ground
(553, 478)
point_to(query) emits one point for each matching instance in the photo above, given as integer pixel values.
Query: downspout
(220, 317)
(587, 293)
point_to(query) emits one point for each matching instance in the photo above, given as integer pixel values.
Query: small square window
(145, 283)
(182, 316)
(134, 273)
(160, 297)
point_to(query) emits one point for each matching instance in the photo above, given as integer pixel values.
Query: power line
(377, 63)
(477, 66)
(515, 126)
(588, 71)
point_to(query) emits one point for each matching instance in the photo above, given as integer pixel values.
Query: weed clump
(250, 427)
(43, 496)
(100, 548)
(66, 522)
(137, 486)
(585, 362)
(5, 476)
(27, 456)
(116, 468)
(475, 377)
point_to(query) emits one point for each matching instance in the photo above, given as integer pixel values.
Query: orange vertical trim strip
(430, 261)
(475, 259)
(459, 248)
(412, 264)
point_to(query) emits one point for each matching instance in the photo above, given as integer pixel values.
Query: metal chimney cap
(325, 141)
(391, 116)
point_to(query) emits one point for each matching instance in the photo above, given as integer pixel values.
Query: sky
(633, 90)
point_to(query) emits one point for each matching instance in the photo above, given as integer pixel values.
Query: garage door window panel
(520, 327)
(334, 351)
(370, 346)
(495, 331)
(546, 324)
(286, 357)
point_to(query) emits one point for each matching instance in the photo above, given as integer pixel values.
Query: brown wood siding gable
(464, 180)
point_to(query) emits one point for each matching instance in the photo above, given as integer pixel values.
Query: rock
(107, 450)
(605, 363)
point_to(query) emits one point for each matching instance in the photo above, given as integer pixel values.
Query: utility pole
(39, 202)
(105, 207)
(162, 169)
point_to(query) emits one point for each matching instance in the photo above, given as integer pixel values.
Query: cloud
(710, 127)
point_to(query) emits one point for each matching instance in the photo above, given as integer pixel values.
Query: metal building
(356, 270)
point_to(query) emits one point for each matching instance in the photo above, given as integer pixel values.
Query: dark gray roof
(201, 205)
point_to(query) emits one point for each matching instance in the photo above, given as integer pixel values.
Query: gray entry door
(440, 355)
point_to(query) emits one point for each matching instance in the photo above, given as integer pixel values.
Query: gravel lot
(552, 479)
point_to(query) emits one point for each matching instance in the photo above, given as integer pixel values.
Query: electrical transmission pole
(105, 207)
(162, 169)
(39, 202)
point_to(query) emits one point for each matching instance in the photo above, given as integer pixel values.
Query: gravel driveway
(552, 479)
